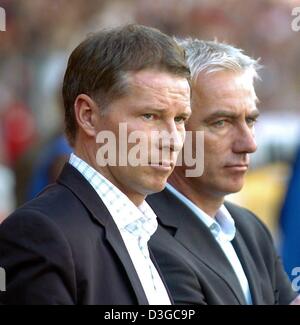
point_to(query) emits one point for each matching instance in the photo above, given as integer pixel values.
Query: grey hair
(212, 56)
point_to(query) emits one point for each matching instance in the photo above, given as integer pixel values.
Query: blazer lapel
(249, 268)
(195, 237)
(73, 179)
(114, 238)
(245, 257)
(161, 275)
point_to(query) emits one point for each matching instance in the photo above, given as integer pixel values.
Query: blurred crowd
(40, 35)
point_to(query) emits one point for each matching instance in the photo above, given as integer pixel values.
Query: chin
(155, 188)
(229, 188)
(234, 188)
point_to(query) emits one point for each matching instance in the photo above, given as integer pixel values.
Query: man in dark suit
(211, 252)
(84, 240)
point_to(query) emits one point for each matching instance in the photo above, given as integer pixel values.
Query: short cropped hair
(212, 56)
(98, 66)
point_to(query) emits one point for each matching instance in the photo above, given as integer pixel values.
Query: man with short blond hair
(84, 240)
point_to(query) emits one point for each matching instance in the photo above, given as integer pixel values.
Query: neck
(206, 201)
(85, 153)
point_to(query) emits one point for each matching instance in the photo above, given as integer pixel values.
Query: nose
(245, 140)
(172, 137)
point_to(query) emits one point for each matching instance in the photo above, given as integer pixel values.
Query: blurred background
(40, 35)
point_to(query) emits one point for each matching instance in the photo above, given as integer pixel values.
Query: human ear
(86, 111)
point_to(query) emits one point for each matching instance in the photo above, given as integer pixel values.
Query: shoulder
(249, 225)
(30, 235)
(33, 219)
(244, 217)
(165, 197)
(54, 212)
(167, 206)
(46, 225)
(55, 202)
(55, 197)
(38, 258)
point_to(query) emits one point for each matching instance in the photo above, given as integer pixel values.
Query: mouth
(237, 167)
(162, 166)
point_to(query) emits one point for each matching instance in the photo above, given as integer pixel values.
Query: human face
(156, 101)
(224, 107)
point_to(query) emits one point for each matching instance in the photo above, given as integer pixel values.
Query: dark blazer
(64, 248)
(196, 269)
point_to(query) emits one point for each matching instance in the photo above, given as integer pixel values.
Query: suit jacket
(196, 269)
(63, 247)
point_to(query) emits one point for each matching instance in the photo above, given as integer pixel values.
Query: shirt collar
(222, 227)
(137, 221)
(226, 223)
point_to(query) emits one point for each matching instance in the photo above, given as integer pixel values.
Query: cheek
(140, 128)
(214, 153)
(182, 133)
(181, 136)
(216, 146)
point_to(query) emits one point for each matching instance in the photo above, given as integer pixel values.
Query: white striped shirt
(136, 225)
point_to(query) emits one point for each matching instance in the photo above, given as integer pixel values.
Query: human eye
(251, 121)
(219, 123)
(180, 119)
(148, 116)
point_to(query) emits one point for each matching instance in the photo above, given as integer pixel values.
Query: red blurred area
(19, 131)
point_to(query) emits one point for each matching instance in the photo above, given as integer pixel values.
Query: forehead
(223, 91)
(222, 85)
(154, 82)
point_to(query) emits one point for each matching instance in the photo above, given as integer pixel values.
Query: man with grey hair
(212, 252)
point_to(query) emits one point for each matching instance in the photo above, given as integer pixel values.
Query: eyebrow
(187, 113)
(253, 114)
